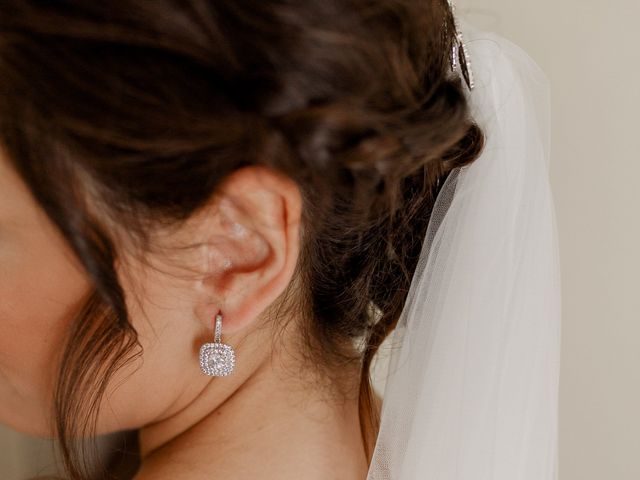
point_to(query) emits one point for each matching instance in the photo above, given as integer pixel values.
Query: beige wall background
(589, 50)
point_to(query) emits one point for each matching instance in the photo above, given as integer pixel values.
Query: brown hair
(145, 107)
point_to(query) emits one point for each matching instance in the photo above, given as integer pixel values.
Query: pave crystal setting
(217, 359)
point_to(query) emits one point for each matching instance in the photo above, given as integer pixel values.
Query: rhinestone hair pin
(459, 52)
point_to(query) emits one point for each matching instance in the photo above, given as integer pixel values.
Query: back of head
(146, 107)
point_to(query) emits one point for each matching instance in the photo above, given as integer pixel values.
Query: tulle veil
(472, 386)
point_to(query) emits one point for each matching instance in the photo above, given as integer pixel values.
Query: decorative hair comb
(459, 53)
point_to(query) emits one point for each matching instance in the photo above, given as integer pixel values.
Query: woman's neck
(275, 424)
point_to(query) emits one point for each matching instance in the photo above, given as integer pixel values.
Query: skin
(272, 418)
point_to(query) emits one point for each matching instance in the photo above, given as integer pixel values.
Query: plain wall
(589, 50)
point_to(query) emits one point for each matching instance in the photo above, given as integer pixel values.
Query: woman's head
(161, 161)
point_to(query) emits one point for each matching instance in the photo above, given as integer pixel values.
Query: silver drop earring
(217, 359)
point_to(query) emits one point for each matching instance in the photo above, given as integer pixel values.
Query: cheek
(167, 377)
(41, 288)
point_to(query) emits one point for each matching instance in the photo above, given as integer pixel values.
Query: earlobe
(255, 246)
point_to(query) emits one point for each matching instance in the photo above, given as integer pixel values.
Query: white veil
(472, 385)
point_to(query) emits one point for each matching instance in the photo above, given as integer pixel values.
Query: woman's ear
(250, 247)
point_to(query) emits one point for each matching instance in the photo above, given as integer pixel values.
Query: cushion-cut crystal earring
(217, 359)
